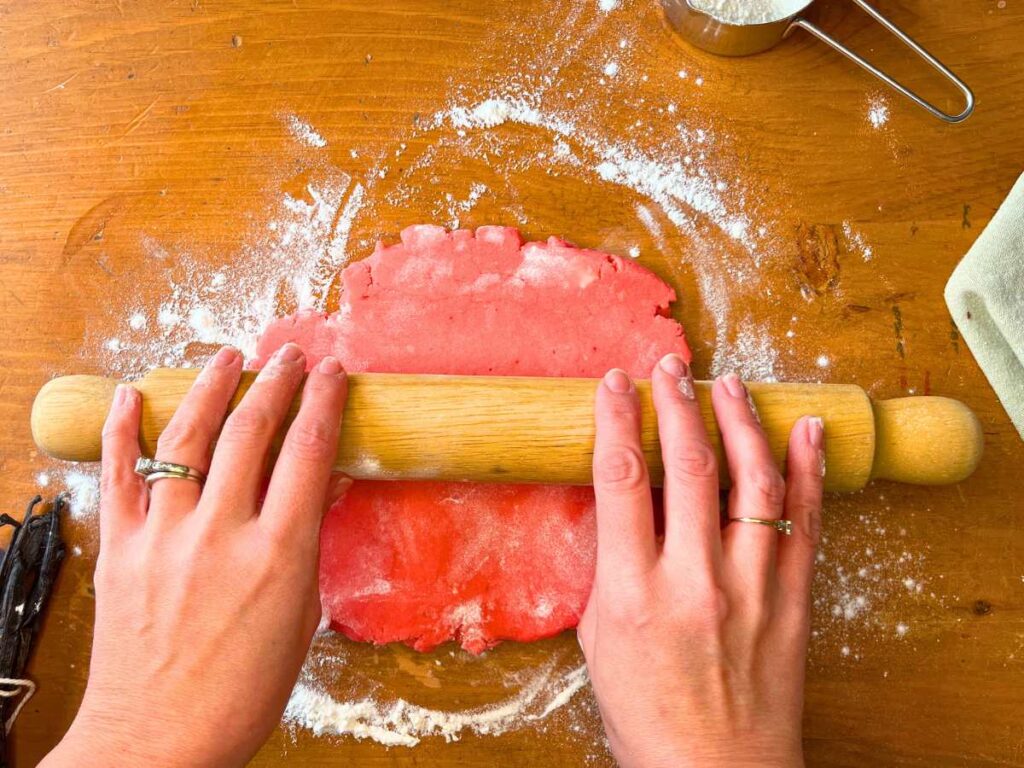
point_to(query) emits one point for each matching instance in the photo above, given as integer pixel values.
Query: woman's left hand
(206, 602)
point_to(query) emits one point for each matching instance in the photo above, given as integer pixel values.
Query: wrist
(95, 741)
(706, 753)
(747, 755)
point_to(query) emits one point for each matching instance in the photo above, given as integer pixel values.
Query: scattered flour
(856, 242)
(751, 355)
(289, 264)
(868, 571)
(680, 187)
(83, 488)
(878, 111)
(304, 132)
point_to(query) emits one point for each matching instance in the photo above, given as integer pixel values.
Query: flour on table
(398, 722)
(83, 489)
(304, 132)
(751, 354)
(869, 568)
(878, 111)
(857, 243)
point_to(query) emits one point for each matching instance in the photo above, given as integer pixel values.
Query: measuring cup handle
(910, 43)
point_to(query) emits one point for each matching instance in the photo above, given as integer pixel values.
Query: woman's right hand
(696, 643)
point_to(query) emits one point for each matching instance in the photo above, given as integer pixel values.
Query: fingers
(805, 471)
(239, 461)
(692, 533)
(625, 511)
(190, 433)
(302, 485)
(122, 492)
(758, 489)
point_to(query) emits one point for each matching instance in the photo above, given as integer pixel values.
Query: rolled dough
(423, 563)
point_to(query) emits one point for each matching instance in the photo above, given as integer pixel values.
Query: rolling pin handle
(68, 416)
(926, 441)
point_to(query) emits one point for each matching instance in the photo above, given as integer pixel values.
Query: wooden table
(139, 130)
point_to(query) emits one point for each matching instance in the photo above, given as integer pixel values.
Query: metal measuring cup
(727, 39)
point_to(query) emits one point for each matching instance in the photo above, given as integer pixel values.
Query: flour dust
(537, 146)
(363, 713)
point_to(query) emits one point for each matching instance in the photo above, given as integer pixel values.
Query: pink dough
(423, 563)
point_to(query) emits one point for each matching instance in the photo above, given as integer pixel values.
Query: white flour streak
(338, 248)
(679, 188)
(304, 132)
(856, 242)
(673, 187)
(401, 723)
(651, 224)
(752, 355)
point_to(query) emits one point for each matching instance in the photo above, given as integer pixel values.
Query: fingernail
(339, 487)
(617, 381)
(734, 386)
(124, 395)
(225, 357)
(289, 353)
(753, 406)
(674, 365)
(329, 366)
(816, 437)
(816, 432)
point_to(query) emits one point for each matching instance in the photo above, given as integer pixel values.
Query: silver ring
(154, 470)
(785, 527)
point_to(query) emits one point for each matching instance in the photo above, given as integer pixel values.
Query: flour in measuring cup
(749, 11)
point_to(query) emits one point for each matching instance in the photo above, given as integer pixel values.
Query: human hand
(696, 644)
(206, 603)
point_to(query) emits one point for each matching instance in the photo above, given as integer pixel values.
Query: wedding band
(785, 527)
(154, 470)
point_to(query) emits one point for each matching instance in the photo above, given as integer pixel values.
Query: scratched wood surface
(132, 123)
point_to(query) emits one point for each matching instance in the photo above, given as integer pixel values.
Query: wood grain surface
(134, 130)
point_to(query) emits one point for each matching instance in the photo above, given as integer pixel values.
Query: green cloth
(986, 297)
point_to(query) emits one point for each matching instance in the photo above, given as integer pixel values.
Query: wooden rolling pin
(536, 430)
